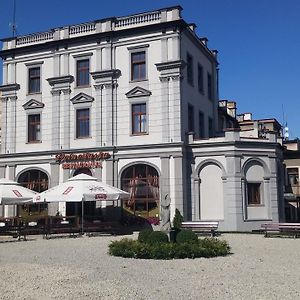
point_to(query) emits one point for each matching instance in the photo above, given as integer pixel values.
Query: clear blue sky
(258, 43)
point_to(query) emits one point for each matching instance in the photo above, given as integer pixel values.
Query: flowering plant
(153, 220)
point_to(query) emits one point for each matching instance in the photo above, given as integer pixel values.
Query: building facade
(132, 101)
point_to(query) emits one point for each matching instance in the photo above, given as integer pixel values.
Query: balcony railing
(35, 38)
(82, 28)
(138, 19)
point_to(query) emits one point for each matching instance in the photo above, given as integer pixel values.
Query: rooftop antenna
(13, 25)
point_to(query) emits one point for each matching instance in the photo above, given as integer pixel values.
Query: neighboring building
(133, 101)
(292, 184)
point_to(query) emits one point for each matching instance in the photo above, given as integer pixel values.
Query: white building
(118, 98)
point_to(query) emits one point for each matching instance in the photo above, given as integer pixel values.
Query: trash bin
(173, 233)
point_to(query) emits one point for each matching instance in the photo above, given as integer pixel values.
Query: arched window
(86, 171)
(37, 181)
(141, 181)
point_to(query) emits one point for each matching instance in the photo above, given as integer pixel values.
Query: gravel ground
(65, 268)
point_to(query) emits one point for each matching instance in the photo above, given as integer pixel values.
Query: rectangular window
(253, 191)
(34, 128)
(139, 118)
(210, 127)
(34, 80)
(209, 86)
(191, 126)
(190, 70)
(138, 65)
(83, 72)
(201, 125)
(82, 123)
(293, 176)
(200, 79)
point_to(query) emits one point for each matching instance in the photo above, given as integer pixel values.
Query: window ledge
(138, 80)
(139, 134)
(34, 142)
(37, 93)
(82, 86)
(83, 137)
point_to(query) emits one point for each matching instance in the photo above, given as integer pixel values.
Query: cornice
(60, 80)
(114, 73)
(175, 64)
(9, 87)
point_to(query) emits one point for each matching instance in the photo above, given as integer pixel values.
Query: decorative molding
(60, 80)
(32, 104)
(82, 98)
(66, 91)
(169, 65)
(138, 47)
(83, 55)
(9, 87)
(55, 92)
(31, 64)
(138, 92)
(114, 74)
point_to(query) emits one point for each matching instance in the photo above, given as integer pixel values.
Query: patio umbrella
(81, 188)
(12, 192)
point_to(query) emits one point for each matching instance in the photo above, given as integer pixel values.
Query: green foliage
(144, 235)
(157, 237)
(208, 247)
(186, 236)
(177, 220)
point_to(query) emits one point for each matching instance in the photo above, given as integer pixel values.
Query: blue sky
(258, 43)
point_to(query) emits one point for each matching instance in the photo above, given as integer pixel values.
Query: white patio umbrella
(12, 192)
(81, 188)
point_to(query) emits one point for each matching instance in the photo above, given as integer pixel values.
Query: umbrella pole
(82, 212)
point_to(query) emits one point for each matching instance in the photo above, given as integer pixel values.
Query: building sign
(82, 160)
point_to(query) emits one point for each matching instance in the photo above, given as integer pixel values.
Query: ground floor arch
(38, 181)
(141, 181)
(211, 195)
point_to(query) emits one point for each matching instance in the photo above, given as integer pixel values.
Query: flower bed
(207, 247)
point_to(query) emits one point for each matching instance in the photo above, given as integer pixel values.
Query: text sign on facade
(82, 160)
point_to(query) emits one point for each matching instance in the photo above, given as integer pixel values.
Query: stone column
(11, 124)
(107, 114)
(2, 175)
(65, 121)
(55, 119)
(196, 199)
(165, 109)
(53, 207)
(233, 194)
(178, 181)
(11, 210)
(98, 115)
(175, 109)
(4, 102)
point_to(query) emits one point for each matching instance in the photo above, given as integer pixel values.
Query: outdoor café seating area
(48, 226)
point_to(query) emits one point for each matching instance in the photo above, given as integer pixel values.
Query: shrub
(186, 236)
(144, 235)
(157, 237)
(135, 249)
(177, 220)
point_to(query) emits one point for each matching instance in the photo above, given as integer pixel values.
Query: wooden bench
(207, 227)
(99, 227)
(281, 229)
(62, 226)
